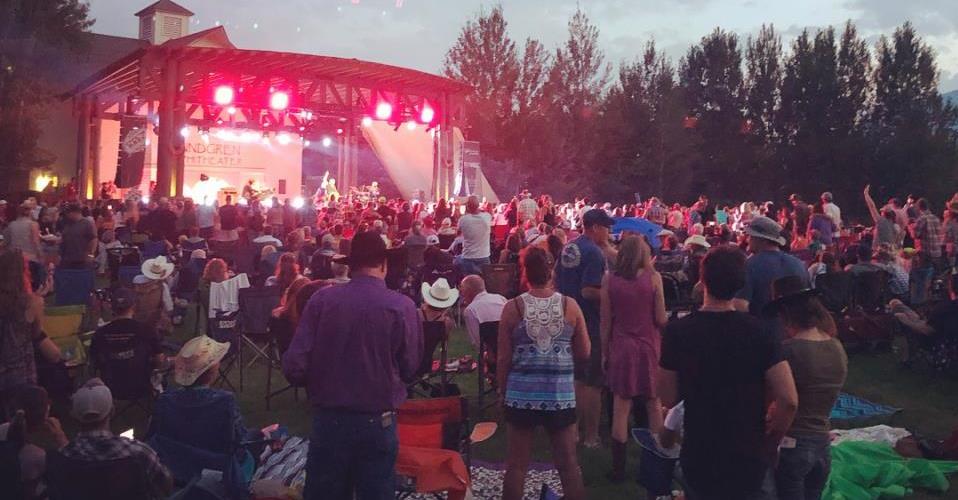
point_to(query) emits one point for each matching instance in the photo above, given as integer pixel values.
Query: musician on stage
(249, 192)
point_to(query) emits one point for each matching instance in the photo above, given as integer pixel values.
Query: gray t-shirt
(76, 238)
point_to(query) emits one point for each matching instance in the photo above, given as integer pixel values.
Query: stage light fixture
(339, 131)
(298, 202)
(367, 121)
(327, 142)
(384, 110)
(427, 114)
(145, 199)
(411, 125)
(306, 142)
(279, 101)
(185, 132)
(223, 95)
(284, 139)
(231, 110)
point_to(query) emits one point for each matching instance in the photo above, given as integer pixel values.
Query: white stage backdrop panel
(229, 158)
(406, 154)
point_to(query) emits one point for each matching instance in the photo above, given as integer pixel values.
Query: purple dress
(634, 347)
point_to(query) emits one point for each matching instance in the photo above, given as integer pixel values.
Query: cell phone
(638, 197)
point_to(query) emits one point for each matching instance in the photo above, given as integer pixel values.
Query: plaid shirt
(929, 237)
(103, 445)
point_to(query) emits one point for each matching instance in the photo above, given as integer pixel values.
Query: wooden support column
(436, 167)
(179, 142)
(96, 150)
(83, 145)
(165, 147)
(353, 156)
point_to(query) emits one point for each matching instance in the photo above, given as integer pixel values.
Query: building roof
(168, 6)
(214, 37)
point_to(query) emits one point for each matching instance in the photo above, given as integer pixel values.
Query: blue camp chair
(73, 286)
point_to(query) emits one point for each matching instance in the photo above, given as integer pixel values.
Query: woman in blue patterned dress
(541, 335)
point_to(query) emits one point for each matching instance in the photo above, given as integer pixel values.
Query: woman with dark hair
(20, 335)
(632, 312)
(442, 210)
(541, 333)
(819, 366)
(287, 271)
(510, 254)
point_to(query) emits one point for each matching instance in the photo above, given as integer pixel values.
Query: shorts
(591, 372)
(550, 420)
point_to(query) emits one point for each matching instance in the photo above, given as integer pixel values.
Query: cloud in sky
(418, 34)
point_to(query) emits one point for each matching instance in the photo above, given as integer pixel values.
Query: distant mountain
(951, 97)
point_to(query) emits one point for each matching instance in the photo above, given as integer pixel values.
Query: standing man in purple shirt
(354, 348)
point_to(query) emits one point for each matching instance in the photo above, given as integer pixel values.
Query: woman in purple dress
(633, 310)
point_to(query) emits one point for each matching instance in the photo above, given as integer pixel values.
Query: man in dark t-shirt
(77, 243)
(229, 215)
(124, 350)
(723, 363)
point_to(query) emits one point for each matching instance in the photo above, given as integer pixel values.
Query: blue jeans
(921, 278)
(803, 470)
(471, 266)
(351, 453)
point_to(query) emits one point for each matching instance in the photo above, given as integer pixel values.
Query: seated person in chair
(31, 432)
(184, 419)
(92, 407)
(154, 303)
(481, 306)
(125, 351)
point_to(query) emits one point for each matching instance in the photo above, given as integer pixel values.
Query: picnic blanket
(850, 408)
(868, 471)
(487, 481)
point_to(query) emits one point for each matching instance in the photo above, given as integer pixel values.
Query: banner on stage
(131, 156)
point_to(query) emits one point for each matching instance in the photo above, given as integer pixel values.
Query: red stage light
(279, 101)
(384, 110)
(427, 114)
(223, 95)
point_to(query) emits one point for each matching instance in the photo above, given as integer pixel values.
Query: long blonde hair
(634, 255)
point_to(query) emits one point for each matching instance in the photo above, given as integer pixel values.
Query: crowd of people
(713, 328)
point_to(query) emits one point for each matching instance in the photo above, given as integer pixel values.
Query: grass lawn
(930, 409)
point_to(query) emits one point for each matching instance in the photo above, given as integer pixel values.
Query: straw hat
(157, 268)
(697, 239)
(197, 356)
(440, 295)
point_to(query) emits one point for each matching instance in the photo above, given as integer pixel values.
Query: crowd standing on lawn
(721, 311)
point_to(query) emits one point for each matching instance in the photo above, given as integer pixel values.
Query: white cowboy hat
(697, 239)
(157, 268)
(440, 295)
(195, 357)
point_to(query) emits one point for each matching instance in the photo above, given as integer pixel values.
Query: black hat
(786, 290)
(72, 207)
(597, 216)
(367, 249)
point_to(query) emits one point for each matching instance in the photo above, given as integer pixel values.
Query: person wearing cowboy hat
(92, 407)
(819, 366)
(436, 301)
(766, 264)
(183, 417)
(356, 347)
(154, 302)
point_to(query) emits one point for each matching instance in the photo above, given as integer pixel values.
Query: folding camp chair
(435, 337)
(280, 333)
(62, 325)
(397, 268)
(73, 287)
(224, 328)
(835, 290)
(502, 279)
(256, 308)
(77, 479)
(129, 376)
(116, 258)
(433, 438)
(870, 291)
(488, 349)
(445, 241)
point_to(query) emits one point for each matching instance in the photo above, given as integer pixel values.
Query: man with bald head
(481, 306)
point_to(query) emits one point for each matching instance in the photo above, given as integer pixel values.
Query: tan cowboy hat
(157, 268)
(197, 356)
(697, 239)
(440, 295)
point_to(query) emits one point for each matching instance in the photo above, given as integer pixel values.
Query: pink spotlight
(384, 110)
(367, 121)
(278, 101)
(223, 95)
(427, 114)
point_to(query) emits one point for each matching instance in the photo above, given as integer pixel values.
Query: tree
(763, 62)
(711, 77)
(571, 97)
(23, 96)
(913, 129)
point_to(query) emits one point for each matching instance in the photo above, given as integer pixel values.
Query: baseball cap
(432, 239)
(597, 216)
(367, 249)
(93, 402)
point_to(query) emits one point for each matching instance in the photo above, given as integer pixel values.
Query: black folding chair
(488, 350)
(397, 269)
(835, 290)
(870, 291)
(280, 334)
(256, 308)
(76, 479)
(502, 279)
(225, 328)
(435, 337)
(119, 257)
